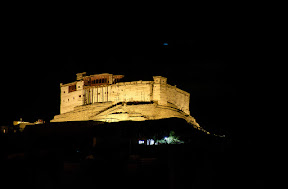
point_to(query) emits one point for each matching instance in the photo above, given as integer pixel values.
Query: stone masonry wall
(157, 91)
(69, 100)
(179, 98)
(120, 92)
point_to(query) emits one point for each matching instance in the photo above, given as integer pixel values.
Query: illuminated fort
(103, 97)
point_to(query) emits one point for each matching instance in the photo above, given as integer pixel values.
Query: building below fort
(103, 97)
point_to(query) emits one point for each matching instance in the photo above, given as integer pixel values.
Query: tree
(172, 139)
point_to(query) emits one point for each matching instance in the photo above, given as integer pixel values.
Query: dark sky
(33, 68)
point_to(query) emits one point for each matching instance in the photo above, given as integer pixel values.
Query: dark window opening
(120, 113)
(139, 102)
(86, 82)
(72, 88)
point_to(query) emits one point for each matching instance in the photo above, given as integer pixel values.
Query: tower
(159, 90)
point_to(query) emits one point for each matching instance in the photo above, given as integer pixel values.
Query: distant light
(166, 138)
(141, 142)
(165, 44)
(150, 142)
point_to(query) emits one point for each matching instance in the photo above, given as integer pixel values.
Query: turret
(159, 90)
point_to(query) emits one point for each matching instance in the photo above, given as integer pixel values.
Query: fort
(103, 97)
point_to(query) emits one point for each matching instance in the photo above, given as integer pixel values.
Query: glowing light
(170, 140)
(150, 142)
(165, 44)
(141, 142)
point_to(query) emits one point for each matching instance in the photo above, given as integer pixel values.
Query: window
(72, 88)
(86, 82)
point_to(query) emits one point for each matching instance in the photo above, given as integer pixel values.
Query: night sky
(35, 65)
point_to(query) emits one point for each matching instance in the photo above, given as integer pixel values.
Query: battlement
(160, 80)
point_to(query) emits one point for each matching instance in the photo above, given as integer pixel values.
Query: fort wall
(80, 101)
(120, 92)
(179, 98)
(120, 112)
(69, 100)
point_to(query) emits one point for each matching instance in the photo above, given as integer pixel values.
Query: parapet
(80, 76)
(160, 80)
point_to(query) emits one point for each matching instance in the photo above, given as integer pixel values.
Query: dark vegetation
(105, 155)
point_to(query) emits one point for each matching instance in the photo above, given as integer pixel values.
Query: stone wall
(178, 97)
(132, 91)
(159, 90)
(109, 111)
(120, 92)
(82, 113)
(69, 100)
(75, 96)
